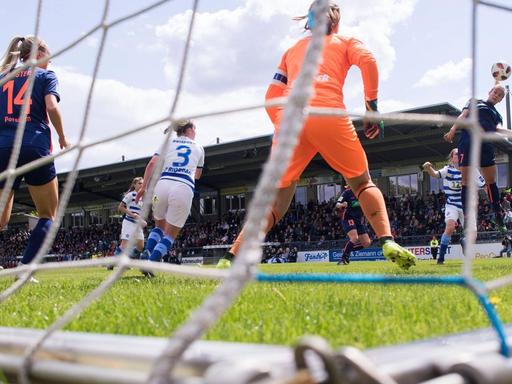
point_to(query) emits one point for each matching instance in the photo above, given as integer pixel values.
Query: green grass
(364, 316)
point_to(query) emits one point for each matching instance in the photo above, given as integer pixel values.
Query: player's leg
(139, 244)
(488, 170)
(164, 245)
(351, 231)
(451, 215)
(279, 208)
(340, 147)
(6, 215)
(43, 188)
(5, 154)
(364, 241)
(45, 198)
(179, 202)
(301, 157)
(160, 202)
(463, 152)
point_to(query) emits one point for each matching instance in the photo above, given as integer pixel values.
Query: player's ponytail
(333, 17)
(19, 49)
(12, 54)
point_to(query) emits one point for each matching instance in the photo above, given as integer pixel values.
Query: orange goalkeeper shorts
(336, 140)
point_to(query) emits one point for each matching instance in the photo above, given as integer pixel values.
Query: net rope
(244, 268)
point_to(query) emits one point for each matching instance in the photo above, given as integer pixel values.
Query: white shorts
(127, 231)
(453, 213)
(172, 201)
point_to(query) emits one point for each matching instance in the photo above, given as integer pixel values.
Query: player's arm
(148, 172)
(503, 131)
(125, 211)
(427, 167)
(449, 136)
(200, 165)
(55, 116)
(361, 57)
(276, 89)
(341, 206)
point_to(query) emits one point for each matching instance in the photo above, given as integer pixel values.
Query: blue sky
(423, 48)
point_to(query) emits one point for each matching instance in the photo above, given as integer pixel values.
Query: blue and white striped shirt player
(182, 159)
(131, 205)
(452, 184)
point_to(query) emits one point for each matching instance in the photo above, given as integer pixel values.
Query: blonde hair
(450, 155)
(182, 126)
(333, 17)
(19, 49)
(134, 183)
(498, 85)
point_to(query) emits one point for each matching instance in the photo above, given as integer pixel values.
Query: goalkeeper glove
(372, 129)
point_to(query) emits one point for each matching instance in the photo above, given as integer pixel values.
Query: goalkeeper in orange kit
(334, 137)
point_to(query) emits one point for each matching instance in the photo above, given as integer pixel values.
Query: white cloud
(118, 107)
(447, 72)
(233, 48)
(233, 56)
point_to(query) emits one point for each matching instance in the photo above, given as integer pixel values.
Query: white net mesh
(244, 268)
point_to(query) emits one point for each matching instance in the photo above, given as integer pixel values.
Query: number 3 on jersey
(18, 100)
(184, 151)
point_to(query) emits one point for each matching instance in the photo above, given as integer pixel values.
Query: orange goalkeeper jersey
(338, 55)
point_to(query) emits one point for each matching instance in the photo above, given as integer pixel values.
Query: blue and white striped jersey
(131, 205)
(182, 159)
(452, 184)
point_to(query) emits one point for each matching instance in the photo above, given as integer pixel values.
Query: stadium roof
(239, 163)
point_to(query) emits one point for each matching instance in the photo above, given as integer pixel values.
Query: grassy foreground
(345, 314)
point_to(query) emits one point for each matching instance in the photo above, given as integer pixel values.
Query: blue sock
(161, 248)
(118, 250)
(154, 238)
(445, 241)
(36, 239)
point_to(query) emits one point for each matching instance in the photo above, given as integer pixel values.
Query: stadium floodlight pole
(507, 104)
(476, 140)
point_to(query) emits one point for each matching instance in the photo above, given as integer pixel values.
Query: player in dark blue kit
(41, 182)
(491, 121)
(353, 223)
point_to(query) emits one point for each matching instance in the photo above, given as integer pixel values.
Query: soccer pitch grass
(361, 315)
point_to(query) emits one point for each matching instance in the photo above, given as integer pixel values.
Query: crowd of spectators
(409, 215)
(69, 244)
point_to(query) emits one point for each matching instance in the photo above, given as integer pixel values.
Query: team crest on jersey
(155, 199)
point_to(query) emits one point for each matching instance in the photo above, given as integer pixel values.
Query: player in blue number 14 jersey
(174, 191)
(42, 103)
